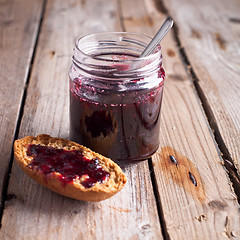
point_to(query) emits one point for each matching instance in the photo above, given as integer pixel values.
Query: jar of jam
(115, 95)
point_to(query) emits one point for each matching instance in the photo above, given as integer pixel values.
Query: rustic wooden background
(194, 198)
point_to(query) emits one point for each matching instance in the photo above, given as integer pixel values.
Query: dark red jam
(70, 164)
(120, 125)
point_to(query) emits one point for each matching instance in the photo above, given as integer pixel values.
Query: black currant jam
(115, 96)
(69, 164)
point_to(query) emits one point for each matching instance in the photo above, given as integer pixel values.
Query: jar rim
(117, 33)
(87, 56)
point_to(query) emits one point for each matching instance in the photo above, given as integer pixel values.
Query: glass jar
(115, 95)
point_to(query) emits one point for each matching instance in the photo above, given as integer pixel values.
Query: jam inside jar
(115, 95)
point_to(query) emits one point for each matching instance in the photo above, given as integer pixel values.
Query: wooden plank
(209, 32)
(196, 198)
(37, 213)
(19, 21)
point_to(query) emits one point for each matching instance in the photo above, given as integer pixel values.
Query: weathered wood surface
(195, 195)
(209, 31)
(37, 213)
(19, 21)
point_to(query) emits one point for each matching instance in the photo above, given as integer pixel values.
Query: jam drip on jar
(70, 164)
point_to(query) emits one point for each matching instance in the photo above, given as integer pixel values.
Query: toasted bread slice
(99, 190)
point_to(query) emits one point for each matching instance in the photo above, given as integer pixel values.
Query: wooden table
(197, 198)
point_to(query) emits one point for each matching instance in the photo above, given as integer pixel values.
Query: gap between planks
(121, 15)
(19, 119)
(227, 160)
(158, 201)
(150, 162)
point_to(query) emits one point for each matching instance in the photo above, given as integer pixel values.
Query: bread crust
(75, 189)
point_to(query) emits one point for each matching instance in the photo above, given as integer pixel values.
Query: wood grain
(210, 39)
(38, 213)
(196, 198)
(19, 21)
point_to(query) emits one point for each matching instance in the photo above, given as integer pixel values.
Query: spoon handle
(167, 25)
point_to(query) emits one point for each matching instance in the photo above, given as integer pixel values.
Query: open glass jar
(115, 96)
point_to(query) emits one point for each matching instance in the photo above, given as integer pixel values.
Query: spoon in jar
(164, 29)
(167, 25)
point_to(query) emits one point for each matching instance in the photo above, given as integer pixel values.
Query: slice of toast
(75, 188)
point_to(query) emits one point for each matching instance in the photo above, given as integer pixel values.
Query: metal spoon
(167, 25)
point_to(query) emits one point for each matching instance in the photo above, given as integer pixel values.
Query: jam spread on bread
(70, 164)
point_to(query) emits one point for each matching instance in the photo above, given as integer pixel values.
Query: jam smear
(70, 164)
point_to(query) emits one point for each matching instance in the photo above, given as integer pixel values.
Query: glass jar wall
(115, 96)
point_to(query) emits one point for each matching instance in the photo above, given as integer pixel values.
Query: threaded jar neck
(115, 55)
